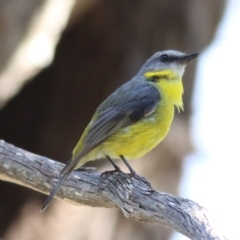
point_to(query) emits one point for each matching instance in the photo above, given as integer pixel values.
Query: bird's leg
(132, 172)
(117, 168)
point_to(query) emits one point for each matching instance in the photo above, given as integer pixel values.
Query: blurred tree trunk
(102, 47)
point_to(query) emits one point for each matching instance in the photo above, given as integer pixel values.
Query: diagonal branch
(135, 196)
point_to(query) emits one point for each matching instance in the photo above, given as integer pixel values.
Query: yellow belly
(136, 140)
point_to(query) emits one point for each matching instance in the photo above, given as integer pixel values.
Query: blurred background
(60, 58)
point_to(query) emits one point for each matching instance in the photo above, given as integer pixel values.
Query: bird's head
(169, 64)
(164, 70)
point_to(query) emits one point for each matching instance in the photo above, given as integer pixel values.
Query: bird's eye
(155, 78)
(164, 57)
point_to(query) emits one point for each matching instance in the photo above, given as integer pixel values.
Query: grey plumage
(138, 99)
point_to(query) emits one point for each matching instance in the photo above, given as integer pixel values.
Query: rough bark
(135, 197)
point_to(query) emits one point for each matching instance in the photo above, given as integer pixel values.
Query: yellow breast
(138, 139)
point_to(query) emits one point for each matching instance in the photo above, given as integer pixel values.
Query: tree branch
(135, 196)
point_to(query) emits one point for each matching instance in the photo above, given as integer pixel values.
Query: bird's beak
(187, 58)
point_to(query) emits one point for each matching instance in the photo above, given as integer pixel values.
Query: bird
(135, 118)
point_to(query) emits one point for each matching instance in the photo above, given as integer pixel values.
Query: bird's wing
(114, 118)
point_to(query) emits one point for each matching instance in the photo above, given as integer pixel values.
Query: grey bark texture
(135, 197)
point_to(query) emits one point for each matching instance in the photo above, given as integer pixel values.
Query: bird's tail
(55, 190)
(63, 176)
(71, 164)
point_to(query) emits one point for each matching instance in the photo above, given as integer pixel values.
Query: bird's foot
(110, 172)
(131, 174)
(85, 169)
(118, 169)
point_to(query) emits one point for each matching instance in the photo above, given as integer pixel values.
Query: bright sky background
(212, 174)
